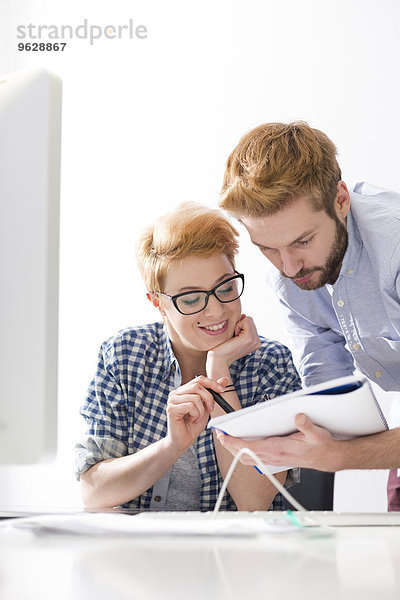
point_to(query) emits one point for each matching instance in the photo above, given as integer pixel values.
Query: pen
(221, 401)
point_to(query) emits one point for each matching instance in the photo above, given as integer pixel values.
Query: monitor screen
(30, 139)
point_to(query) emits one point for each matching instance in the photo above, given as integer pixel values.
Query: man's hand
(311, 447)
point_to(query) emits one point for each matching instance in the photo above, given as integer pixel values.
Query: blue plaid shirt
(125, 408)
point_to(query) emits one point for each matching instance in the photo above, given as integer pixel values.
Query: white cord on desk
(265, 471)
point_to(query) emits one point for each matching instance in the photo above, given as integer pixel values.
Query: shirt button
(157, 498)
(377, 373)
(356, 346)
(340, 303)
(350, 271)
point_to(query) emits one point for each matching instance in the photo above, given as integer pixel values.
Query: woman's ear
(154, 299)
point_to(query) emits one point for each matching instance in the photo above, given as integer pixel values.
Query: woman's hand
(245, 341)
(189, 408)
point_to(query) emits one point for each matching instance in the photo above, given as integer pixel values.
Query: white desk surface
(343, 563)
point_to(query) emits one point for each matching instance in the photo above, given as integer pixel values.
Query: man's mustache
(302, 273)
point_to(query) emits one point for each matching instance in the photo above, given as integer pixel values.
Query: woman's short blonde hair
(275, 163)
(191, 229)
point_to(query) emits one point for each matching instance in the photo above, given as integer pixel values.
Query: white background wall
(148, 124)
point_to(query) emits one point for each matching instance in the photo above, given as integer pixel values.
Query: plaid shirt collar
(167, 356)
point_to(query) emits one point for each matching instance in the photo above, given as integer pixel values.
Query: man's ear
(342, 201)
(154, 299)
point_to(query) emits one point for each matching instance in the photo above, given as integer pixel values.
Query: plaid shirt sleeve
(105, 413)
(278, 376)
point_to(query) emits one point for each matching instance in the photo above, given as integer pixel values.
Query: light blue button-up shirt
(356, 321)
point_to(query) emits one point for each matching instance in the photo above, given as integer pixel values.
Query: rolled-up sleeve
(93, 449)
(104, 411)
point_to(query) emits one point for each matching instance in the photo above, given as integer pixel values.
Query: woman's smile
(215, 328)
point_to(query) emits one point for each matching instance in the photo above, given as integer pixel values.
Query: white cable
(265, 471)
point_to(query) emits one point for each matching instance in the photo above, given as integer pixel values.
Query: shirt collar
(353, 252)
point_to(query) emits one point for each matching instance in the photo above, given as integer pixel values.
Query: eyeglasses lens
(227, 291)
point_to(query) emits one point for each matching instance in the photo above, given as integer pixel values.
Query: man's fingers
(302, 422)
(230, 443)
(268, 450)
(307, 427)
(233, 445)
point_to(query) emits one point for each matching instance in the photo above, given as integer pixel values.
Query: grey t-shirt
(184, 483)
(180, 487)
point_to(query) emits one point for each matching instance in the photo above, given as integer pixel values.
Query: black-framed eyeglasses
(190, 303)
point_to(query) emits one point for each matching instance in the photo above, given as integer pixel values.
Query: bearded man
(336, 259)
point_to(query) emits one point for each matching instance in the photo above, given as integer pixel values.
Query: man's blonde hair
(276, 163)
(190, 230)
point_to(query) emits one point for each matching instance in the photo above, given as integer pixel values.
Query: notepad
(347, 407)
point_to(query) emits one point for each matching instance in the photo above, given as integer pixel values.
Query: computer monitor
(30, 139)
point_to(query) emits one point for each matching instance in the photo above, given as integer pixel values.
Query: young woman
(148, 405)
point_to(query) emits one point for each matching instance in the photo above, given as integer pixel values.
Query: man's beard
(330, 271)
